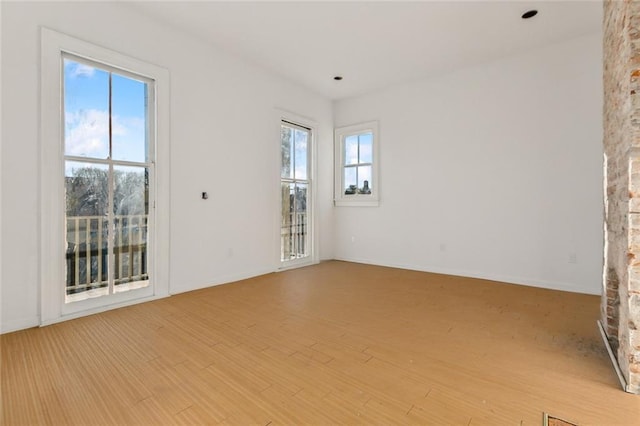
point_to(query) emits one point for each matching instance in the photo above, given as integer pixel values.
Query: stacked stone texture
(621, 295)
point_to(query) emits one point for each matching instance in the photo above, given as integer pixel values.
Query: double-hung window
(108, 153)
(295, 238)
(357, 178)
(104, 141)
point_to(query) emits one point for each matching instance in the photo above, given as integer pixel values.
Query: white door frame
(52, 208)
(311, 194)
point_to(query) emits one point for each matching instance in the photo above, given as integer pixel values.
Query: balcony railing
(293, 236)
(87, 257)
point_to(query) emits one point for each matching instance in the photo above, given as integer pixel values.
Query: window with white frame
(357, 178)
(108, 172)
(295, 141)
(104, 153)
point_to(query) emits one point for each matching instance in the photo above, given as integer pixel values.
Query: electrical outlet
(573, 258)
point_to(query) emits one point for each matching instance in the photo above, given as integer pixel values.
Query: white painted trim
(51, 232)
(102, 308)
(355, 200)
(357, 203)
(313, 174)
(21, 324)
(549, 285)
(297, 263)
(228, 279)
(50, 165)
(2, 325)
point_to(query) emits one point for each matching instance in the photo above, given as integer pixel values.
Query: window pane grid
(358, 164)
(294, 240)
(107, 198)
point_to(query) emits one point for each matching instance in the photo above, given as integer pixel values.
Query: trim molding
(17, 325)
(550, 285)
(614, 361)
(225, 279)
(100, 309)
(53, 45)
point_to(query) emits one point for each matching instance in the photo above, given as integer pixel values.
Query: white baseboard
(474, 274)
(16, 325)
(100, 309)
(224, 279)
(21, 324)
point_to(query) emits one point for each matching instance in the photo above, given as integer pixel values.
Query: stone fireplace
(620, 315)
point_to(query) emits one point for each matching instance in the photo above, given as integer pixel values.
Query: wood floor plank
(335, 343)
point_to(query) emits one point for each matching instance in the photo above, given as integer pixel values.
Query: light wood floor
(336, 343)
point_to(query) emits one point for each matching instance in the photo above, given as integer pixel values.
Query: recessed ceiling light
(337, 77)
(529, 14)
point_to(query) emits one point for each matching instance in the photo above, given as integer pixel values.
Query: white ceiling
(374, 44)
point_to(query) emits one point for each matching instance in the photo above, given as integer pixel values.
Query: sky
(297, 161)
(300, 149)
(358, 150)
(86, 109)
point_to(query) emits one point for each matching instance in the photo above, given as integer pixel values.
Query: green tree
(87, 192)
(285, 137)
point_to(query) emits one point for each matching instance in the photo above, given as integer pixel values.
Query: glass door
(295, 223)
(108, 168)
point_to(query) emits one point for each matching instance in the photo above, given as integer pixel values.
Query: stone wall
(621, 293)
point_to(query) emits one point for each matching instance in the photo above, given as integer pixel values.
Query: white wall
(224, 140)
(493, 171)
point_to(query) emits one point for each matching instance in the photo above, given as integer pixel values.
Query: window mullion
(293, 153)
(106, 161)
(111, 185)
(111, 233)
(110, 117)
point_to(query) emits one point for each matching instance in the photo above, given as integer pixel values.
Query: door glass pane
(286, 149)
(128, 119)
(300, 220)
(350, 180)
(86, 110)
(301, 139)
(131, 210)
(294, 173)
(287, 224)
(86, 199)
(301, 198)
(351, 150)
(364, 174)
(366, 142)
(107, 117)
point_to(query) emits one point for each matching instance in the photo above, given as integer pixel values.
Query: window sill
(357, 203)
